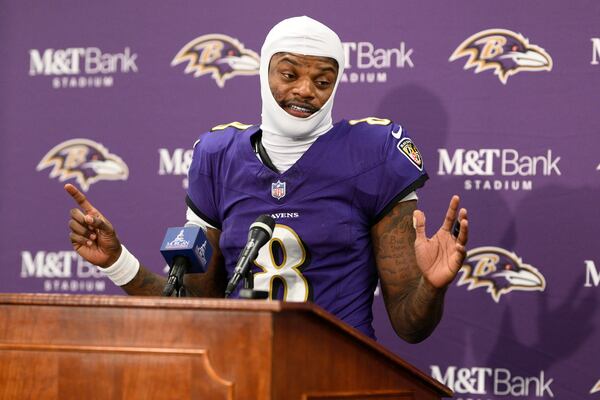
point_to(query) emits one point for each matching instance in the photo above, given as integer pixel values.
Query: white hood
(299, 35)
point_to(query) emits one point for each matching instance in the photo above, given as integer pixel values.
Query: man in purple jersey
(343, 196)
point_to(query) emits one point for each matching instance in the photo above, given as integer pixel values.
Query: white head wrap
(299, 35)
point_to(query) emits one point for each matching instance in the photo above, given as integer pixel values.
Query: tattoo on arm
(145, 283)
(413, 306)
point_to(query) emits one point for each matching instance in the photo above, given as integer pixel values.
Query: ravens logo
(408, 148)
(499, 271)
(85, 161)
(219, 55)
(503, 51)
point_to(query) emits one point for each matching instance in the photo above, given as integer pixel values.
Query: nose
(304, 88)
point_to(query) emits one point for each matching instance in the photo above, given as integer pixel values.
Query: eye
(288, 75)
(323, 84)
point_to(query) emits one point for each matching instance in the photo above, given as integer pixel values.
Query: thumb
(419, 225)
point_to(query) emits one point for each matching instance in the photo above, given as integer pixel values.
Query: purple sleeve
(202, 194)
(400, 172)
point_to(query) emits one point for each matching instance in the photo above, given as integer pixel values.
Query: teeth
(301, 109)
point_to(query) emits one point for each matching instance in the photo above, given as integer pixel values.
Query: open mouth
(299, 110)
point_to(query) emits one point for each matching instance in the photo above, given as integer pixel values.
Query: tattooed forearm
(413, 305)
(209, 284)
(212, 283)
(145, 283)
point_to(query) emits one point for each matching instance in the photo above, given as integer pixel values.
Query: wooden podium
(116, 347)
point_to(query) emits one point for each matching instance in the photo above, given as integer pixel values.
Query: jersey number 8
(281, 261)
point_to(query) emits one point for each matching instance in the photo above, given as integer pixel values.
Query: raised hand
(92, 235)
(441, 256)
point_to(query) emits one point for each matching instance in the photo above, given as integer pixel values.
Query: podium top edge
(144, 302)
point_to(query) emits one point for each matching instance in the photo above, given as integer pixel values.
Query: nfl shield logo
(278, 189)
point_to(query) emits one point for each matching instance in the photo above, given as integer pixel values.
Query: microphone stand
(180, 290)
(175, 281)
(248, 291)
(249, 280)
(174, 285)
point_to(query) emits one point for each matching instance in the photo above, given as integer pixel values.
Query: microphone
(187, 250)
(260, 233)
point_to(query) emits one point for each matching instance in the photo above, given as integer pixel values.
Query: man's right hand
(92, 235)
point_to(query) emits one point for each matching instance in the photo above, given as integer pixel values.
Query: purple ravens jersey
(325, 206)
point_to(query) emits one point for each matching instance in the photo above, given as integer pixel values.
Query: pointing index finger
(79, 198)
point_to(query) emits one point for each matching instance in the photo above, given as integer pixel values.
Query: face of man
(301, 84)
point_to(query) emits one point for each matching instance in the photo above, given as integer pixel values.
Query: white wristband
(124, 269)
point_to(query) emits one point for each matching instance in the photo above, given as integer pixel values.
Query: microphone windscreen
(267, 220)
(189, 242)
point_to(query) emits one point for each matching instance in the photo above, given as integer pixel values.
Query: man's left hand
(441, 256)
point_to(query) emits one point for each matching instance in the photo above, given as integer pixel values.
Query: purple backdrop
(94, 88)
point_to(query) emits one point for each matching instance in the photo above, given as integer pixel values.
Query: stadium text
(496, 163)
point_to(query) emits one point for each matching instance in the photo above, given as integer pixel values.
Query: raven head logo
(219, 55)
(503, 51)
(85, 161)
(499, 271)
